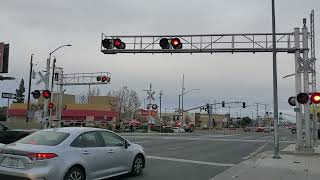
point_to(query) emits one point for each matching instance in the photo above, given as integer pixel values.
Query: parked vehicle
(187, 128)
(178, 130)
(71, 153)
(8, 135)
(259, 129)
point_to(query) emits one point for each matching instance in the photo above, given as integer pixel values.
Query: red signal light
(119, 44)
(315, 98)
(51, 105)
(46, 94)
(176, 43)
(103, 78)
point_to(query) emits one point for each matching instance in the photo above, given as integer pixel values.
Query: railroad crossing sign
(42, 78)
(150, 95)
(9, 95)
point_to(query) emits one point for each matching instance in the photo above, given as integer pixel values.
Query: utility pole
(257, 114)
(29, 87)
(150, 97)
(160, 102)
(182, 119)
(179, 104)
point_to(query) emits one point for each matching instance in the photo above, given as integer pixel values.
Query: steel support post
(45, 101)
(275, 85)
(59, 111)
(306, 83)
(299, 143)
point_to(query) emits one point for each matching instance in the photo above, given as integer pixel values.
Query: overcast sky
(37, 27)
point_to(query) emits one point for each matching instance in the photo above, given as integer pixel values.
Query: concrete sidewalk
(264, 167)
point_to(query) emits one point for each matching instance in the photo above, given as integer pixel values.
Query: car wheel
(137, 165)
(75, 173)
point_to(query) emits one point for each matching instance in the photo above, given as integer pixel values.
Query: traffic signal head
(302, 98)
(176, 43)
(315, 98)
(119, 44)
(164, 43)
(292, 101)
(46, 94)
(244, 105)
(51, 105)
(107, 43)
(36, 94)
(223, 104)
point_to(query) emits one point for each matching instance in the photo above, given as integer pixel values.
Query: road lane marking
(141, 142)
(216, 139)
(255, 152)
(175, 147)
(190, 161)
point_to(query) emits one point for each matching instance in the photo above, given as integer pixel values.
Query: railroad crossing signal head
(107, 43)
(176, 43)
(46, 94)
(119, 44)
(302, 98)
(164, 43)
(292, 101)
(36, 94)
(315, 98)
(51, 105)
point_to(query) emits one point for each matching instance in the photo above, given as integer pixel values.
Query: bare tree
(83, 97)
(126, 101)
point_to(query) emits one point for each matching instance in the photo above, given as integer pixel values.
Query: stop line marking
(190, 161)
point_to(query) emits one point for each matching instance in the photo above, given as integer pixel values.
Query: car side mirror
(126, 144)
(5, 128)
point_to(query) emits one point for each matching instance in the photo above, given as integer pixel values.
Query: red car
(259, 129)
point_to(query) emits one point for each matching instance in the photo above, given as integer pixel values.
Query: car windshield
(46, 138)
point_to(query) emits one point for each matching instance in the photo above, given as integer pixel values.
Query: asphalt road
(200, 156)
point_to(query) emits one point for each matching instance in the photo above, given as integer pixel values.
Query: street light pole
(29, 87)
(275, 85)
(52, 79)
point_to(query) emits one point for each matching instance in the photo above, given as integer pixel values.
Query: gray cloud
(37, 27)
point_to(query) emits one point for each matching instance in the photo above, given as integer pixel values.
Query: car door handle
(85, 152)
(110, 151)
